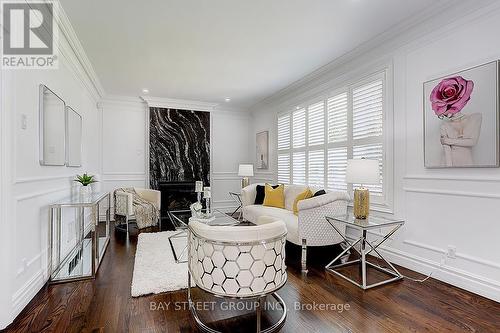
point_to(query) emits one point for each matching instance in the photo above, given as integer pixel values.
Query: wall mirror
(73, 138)
(52, 127)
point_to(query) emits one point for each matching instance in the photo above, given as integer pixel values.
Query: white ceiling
(207, 50)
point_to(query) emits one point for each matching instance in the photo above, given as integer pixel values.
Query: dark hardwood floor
(105, 304)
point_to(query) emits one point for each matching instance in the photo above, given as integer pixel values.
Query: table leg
(58, 236)
(180, 234)
(374, 248)
(108, 215)
(351, 246)
(363, 258)
(51, 241)
(95, 255)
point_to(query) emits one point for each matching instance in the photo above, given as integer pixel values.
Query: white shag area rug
(155, 269)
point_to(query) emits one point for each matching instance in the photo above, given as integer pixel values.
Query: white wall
(123, 143)
(27, 187)
(125, 139)
(442, 207)
(229, 142)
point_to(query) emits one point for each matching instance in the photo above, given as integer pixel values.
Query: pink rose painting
(451, 95)
(461, 119)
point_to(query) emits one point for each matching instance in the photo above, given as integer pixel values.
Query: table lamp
(245, 171)
(362, 171)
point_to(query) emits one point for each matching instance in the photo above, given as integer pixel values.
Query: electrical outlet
(452, 252)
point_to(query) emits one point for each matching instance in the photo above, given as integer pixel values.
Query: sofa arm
(248, 194)
(152, 196)
(322, 200)
(313, 226)
(123, 203)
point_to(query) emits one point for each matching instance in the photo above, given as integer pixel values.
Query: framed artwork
(262, 150)
(461, 116)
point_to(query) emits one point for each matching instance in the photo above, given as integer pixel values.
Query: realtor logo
(28, 35)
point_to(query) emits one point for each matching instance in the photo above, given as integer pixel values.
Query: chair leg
(259, 315)
(304, 257)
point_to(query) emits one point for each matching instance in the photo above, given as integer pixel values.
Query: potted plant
(85, 180)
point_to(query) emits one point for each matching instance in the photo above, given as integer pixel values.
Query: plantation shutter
(284, 141)
(284, 168)
(316, 123)
(337, 118)
(316, 168)
(299, 128)
(299, 168)
(284, 132)
(316, 141)
(367, 106)
(337, 165)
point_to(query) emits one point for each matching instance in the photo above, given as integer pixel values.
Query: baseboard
(451, 275)
(25, 294)
(456, 277)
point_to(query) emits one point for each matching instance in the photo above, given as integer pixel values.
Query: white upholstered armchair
(239, 262)
(124, 203)
(309, 227)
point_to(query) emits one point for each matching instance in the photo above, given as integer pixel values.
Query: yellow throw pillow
(302, 196)
(274, 197)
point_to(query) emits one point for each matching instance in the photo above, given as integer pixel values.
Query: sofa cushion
(302, 196)
(275, 197)
(260, 193)
(318, 193)
(253, 212)
(291, 192)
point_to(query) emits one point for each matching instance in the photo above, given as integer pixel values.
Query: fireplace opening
(175, 196)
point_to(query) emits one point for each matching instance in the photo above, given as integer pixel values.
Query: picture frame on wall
(461, 119)
(262, 150)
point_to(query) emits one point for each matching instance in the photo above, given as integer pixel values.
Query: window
(316, 140)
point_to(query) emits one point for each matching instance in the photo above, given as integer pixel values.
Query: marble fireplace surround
(179, 146)
(179, 154)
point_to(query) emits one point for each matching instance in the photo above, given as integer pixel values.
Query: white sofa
(309, 227)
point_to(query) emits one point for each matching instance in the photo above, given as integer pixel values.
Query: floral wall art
(461, 119)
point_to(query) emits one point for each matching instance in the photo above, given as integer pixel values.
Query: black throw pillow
(320, 192)
(261, 193)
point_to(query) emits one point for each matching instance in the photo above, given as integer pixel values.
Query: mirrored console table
(77, 238)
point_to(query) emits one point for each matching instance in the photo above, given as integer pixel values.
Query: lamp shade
(245, 170)
(363, 171)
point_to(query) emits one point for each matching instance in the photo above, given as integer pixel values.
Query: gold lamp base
(245, 182)
(361, 203)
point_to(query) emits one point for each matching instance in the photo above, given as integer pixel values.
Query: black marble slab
(179, 146)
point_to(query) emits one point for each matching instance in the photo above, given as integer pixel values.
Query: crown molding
(184, 104)
(147, 101)
(75, 53)
(403, 33)
(124, 101)
(234, 111)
